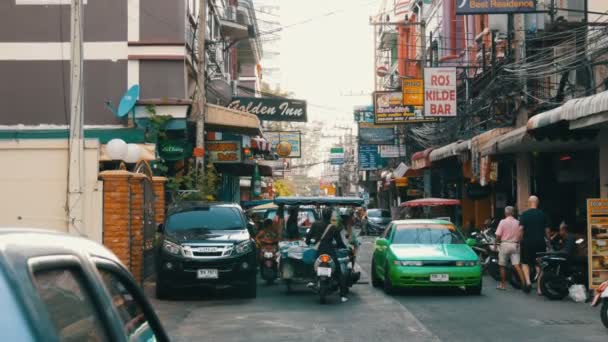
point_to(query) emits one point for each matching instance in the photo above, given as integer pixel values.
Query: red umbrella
(431, 202)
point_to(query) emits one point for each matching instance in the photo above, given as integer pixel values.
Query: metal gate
(149, 230)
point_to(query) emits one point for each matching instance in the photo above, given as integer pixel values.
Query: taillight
(325, 258)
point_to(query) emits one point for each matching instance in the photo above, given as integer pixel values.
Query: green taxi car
(424, 253)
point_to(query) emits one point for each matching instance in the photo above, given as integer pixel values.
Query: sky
(328, 55)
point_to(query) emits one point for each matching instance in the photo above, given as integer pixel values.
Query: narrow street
(370, 315)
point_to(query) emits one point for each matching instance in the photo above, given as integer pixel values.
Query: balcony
(387, 37)
(230, 25)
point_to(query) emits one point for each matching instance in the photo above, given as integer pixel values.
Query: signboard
(336, 156)
(440, 92)
(389, 109)
(597, 231)
(224, 151)
(292, 137)
(392, 151)
(376, 135)
(401, 182)
(271, 109)
(413, 92)
(364, 114)
(174, 149)
(369, 158)
(465, 7)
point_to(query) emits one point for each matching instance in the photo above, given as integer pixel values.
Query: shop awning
(420, 160)
(587, 112)
(450, 150)
(260, 144)
(431, 202)
(519, 140)
(545, 119)
(243, 169)
(222, 118)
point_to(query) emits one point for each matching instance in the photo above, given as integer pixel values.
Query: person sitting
(267, 234)
(292, 230)
(568, 241)
(316, 230)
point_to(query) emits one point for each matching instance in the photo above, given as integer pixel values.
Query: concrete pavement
(370, 315)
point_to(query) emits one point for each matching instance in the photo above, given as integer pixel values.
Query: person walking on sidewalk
(535, 225)
(508, 234)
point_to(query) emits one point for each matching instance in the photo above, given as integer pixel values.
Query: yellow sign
(597, 231)
(413, 92)
(401, 182)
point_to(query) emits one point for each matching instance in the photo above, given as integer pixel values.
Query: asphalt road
(370, 315)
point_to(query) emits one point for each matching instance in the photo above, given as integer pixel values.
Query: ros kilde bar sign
(464, 7)
(439, 92)
(271, 109)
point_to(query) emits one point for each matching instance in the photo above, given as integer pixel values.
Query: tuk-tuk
(296, 259)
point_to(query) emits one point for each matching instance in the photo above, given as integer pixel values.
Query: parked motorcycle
(325, 269)
(559, 272)
(601, 296)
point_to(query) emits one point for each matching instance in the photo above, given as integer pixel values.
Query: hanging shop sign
(293, 138)
(336, 156)
(597, 231)
(271, 109)
(413, 92)
(392, 151)
(364, 114)
(440, 92)
(465, 7)
(402, 182)
(376, 135)
(224, 151)
(174, 149)
(369, 158)
(389, 109)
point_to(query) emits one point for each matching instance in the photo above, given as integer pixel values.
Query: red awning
(431, 202)
(260, 144)
(421, 159)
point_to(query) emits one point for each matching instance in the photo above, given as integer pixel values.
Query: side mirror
(381, 242)
(471, 242)
(160, 228)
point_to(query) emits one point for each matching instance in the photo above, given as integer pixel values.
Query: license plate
(324, 272)
(207, 274)
(440, 277)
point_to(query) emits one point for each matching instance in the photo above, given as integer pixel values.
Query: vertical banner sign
(597, 232)
(439, 92)
(413, 92)
(336, 156)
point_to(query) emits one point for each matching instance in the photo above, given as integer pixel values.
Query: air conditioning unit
(235, 87)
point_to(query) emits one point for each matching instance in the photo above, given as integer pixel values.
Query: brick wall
(159, 199)
(116, 213)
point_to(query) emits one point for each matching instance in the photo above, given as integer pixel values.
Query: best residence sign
(271, 109)
(494, 6)
(439, 92)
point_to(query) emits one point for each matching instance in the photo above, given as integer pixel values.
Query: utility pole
(75, 202)
(201, 96)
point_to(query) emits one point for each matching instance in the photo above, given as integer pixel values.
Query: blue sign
(364, 114)
(464, 7)
(369, 158)
(376, 135)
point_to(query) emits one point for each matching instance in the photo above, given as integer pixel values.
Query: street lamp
(118, 149)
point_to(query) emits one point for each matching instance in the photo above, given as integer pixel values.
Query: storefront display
(597, 222)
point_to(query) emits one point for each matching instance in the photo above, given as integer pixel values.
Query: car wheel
(251, 289)
(388, 284)
(161, 290)
(376, 282)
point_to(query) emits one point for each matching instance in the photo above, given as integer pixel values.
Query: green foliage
(158, 123)
(204, 187)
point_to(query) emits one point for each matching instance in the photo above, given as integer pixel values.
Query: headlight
(268, 255)
(467, 263)
(407, 263)
(172, 248)
(243, 248)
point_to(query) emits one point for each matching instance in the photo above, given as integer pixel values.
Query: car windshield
(212, 218)
(379, 213)
(427, 235)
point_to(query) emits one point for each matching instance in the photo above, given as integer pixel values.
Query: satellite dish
(127, 102)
